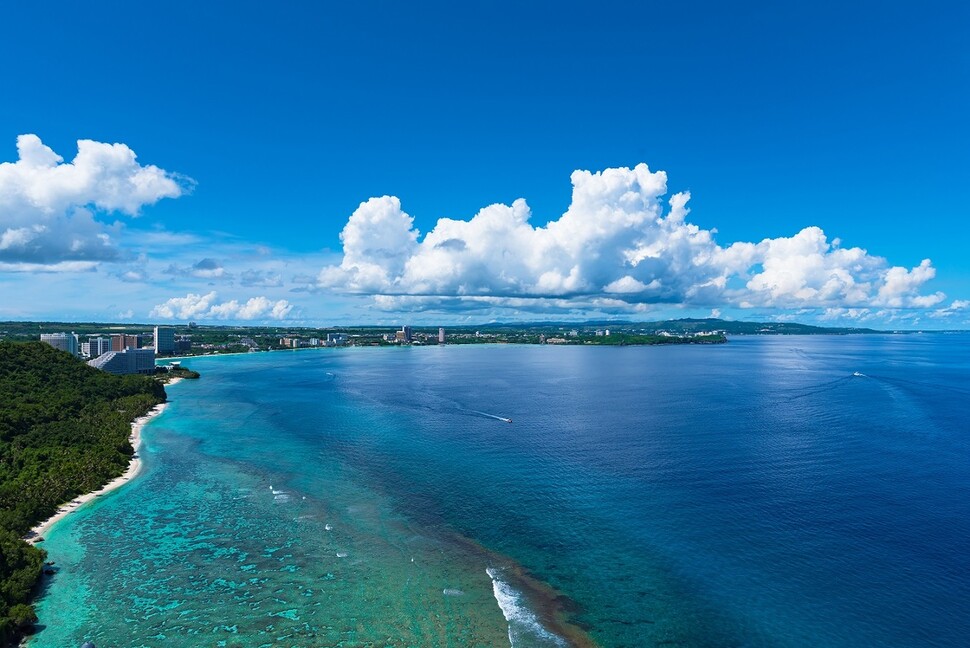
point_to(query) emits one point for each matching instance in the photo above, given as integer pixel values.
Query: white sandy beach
(36, 534)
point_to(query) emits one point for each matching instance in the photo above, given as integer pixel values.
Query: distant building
(96, 346)
(404, 335)
(129, 361)
(441, 335)
(336, 339)
(63, 341)
(121, 341)
(164, 340)
(290, 342)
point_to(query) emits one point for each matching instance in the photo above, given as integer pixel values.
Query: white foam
(523, 623)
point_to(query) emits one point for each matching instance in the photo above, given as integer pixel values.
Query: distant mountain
(750, 328)
(677, 327)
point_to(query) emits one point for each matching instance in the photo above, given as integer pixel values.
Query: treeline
(64, 430)
(626, 339)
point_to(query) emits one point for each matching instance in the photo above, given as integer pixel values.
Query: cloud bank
(619, 247)
(48, 206)
(193, 307)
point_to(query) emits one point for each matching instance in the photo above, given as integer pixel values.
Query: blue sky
(825, 149)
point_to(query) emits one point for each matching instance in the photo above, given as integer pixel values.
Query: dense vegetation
(181, 372)
(629, 339)
(64, 431)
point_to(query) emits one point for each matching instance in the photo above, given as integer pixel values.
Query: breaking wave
(524, 627)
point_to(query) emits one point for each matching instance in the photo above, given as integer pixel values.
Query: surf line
(492, 416)
(524, 625)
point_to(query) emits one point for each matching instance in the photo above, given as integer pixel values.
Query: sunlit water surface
(772, 491)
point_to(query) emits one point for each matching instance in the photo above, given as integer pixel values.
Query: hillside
(64, 431)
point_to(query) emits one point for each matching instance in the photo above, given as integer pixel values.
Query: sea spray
(524, 627)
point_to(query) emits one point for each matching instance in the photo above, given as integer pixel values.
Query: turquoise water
(754, 493)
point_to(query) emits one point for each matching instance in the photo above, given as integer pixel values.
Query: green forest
(64, 430)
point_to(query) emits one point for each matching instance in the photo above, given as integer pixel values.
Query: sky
(326, 164)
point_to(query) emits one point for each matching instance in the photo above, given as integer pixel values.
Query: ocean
(771, 491)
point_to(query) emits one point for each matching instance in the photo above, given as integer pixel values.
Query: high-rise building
(120, 342)
(98, 346)
(63, 341)
(336, 339)
(128, 361)
(405, 334)
(441, 335)
(164, 340)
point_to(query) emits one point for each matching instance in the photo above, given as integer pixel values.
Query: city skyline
(379, 164)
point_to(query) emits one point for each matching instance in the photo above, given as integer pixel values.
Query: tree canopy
(64, 429)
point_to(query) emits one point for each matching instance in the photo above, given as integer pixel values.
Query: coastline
(35, 535)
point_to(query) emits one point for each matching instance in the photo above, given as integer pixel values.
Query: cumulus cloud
(620, 245)
(207, 306)
(48, 206)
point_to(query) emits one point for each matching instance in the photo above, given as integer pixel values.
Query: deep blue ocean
(771, 491)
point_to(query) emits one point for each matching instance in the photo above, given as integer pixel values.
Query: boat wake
(279, 495)
(491, 416)
(524, 627)
(820, 388)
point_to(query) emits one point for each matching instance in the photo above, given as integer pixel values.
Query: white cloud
(378, 240)
(619, 245)
(194, 306)
(808, 270)
(47, 206)
(187, 307)
(858, 314)
(63, 266)
(957, 306)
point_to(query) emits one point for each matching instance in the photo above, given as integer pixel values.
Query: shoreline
(36, 534)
